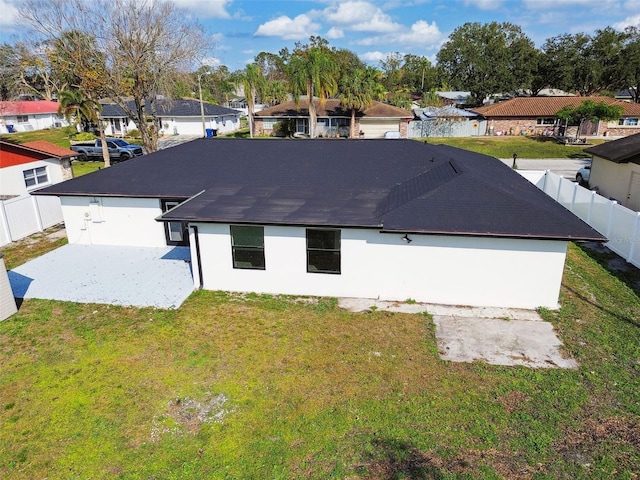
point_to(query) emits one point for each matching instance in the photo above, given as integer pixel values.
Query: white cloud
(628, 22)
(335, 33)
(288, 29)
(484, 4)
(360, 16)
(207, 9)
(421, 34)
(9, 14)
(373, 57)
(211, 62)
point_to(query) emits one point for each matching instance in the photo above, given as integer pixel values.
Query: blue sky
(240, 29)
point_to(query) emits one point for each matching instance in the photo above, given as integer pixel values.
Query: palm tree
(78, 109)
(313, 72)
(358, 91)
(252, 81)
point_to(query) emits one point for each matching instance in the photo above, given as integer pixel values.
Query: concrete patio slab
(131, 276)
(499, 336)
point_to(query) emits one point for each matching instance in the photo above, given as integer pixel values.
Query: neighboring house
(537, 116)
(240, 104)
(24, 116)
(615, 170)
(387, 219)
(175, 117)
(28, 166)
(445, 122)
(455, 99)
(334, 120)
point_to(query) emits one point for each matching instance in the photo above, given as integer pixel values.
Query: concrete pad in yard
(500, 342)
(495, 335)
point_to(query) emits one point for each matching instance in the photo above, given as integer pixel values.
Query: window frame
(625, 122)
(22, 118)
(317, 251)
(238, 249)
(36, 176)
(546, 121)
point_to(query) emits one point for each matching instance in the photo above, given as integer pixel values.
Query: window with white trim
(247, 247)
(628, 122)
(546, 121)
(35, 176)
(22, 118)
(268, 123)
(323, 250)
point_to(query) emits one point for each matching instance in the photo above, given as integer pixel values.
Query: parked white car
(582, 177)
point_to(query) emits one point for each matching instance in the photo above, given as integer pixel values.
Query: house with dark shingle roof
(334, 120)
(387, 219)
(175, 117)
(537, 116)
(615, 170)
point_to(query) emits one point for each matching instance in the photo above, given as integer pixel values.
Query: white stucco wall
(185, 125)
(38, 121)
(612, 179)
(435, 269)
(12, 178)
(113, 221)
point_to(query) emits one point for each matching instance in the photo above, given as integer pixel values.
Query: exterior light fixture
(406, 238)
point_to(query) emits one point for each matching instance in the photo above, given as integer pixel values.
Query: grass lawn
(525, 147)
(252, 386)
(57, 136)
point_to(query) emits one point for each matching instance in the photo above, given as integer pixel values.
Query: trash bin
(215, 133)
(210, 132)
(10, 129)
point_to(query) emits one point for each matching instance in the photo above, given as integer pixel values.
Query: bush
(284, 128)
(133, 133)
(83, 137)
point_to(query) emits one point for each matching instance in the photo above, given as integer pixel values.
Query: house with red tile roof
(537, 116)
(31, 165)
(334, 119)
(24, 116)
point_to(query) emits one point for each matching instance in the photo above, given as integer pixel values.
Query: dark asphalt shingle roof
(182, 107)
(623, 150)
(394, 185)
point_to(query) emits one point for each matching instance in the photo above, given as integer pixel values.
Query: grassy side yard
(525, 147)
(250, 386)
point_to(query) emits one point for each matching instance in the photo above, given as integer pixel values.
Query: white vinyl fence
(619, 224)
(26, 215)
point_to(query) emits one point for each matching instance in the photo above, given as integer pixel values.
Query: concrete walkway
(499, 336)
(132, 276)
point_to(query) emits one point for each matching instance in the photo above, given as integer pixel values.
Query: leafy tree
(589, 111)
(313, 71)
(487, 58)
(144, 48)
(358, 91)
(418, 75)
(392, 71)
(630, 71)
(585, 64)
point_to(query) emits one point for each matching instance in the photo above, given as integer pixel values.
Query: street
(567, 167)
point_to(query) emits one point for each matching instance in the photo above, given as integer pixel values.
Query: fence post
(575, 192)
(613, 209)
(559, 188)
(4, 222)
(36, 212)
(593, 199)
(635, 238)
(544, 182)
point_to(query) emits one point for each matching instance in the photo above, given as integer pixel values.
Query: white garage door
(377, 128)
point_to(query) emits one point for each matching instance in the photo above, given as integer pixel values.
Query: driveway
(131, 276)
